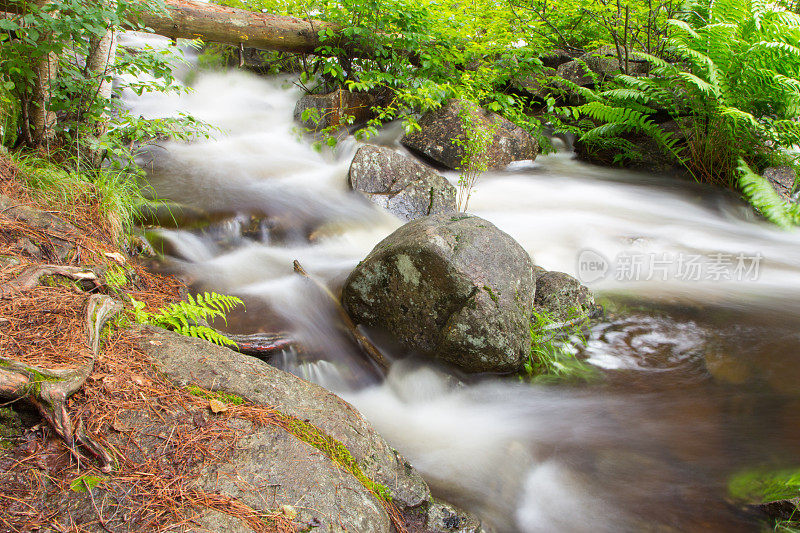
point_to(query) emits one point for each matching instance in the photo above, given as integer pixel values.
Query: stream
(697, 355)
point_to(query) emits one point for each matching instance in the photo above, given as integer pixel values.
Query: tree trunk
(189, 19)
(102, 52)
(42, 119)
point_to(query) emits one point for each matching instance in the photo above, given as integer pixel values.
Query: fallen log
(367, 346)
(189, 19)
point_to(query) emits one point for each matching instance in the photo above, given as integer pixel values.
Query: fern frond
(185, 317)
(786, 48)
(699, 84)
(759, 192)
(627, 94)
(683, 26)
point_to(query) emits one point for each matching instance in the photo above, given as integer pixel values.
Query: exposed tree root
(31, 276)
(48, 390)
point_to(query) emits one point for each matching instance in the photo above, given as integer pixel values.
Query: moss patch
(215, 395)
(335, 451)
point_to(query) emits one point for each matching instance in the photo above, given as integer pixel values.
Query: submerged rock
(440, 128)
(451, 287)
(399, 184)
(563, 297)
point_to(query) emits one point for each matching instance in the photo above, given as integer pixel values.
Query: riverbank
(161, 425)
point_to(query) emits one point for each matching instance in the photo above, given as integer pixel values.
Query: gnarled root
(49, 390)
(30, 277)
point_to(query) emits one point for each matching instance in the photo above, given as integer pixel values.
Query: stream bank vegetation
(714, 85)
(554, 350)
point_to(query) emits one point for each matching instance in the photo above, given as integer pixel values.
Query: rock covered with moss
(452, 287)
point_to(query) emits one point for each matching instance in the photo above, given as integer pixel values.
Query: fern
(759, 192)
(735, 93)
(188, 318)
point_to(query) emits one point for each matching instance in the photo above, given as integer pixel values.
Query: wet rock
(334, 108)
(439, 128)
(563, 297)
(186, 361)
(442, 517)
(451, 287)
(61, 235)
(782, 180)
(399, 184)
(780, 509)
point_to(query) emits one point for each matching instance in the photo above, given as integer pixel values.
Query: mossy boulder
(452, 287)
(399, 184)
(440, 128)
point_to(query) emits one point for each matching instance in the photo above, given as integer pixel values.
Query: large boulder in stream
(452, 287)
(440, 128)
(399, 184)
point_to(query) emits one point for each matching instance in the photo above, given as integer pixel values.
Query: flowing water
(697, 356)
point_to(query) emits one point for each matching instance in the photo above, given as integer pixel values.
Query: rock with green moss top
(399, 184)
(452, 287)
(563, 297)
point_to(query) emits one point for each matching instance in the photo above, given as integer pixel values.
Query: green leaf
(86, 482)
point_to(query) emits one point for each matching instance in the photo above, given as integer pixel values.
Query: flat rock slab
(190, 361)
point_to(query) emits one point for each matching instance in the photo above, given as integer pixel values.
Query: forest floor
(46, 482)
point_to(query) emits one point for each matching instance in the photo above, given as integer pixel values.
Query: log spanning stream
(698, 358)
